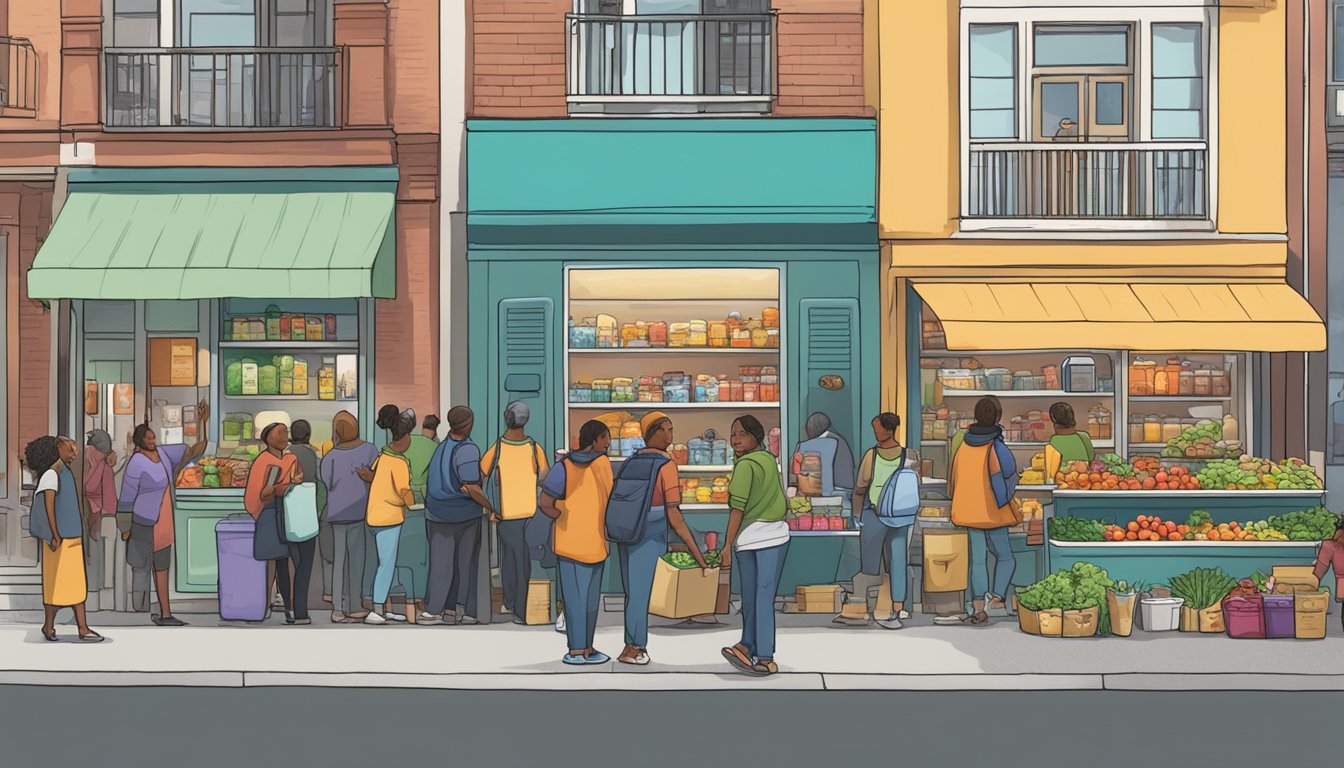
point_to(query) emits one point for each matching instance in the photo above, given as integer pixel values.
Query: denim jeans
(581, 586)
(760, 570)
(878, 542)
(385, 538)
(347, 550)
(638, 563)
(982, 542)
(515, 564)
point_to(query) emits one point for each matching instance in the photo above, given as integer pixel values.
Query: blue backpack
(632, 497)
(899, 502)
(435, 487)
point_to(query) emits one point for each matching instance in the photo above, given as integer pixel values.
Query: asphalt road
(233, 728)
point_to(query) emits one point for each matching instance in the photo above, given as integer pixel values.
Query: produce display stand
(1155, 562)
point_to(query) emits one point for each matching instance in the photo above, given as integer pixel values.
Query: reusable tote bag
(300, 513)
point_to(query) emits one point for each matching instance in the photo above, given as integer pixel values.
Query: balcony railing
(223, 88)
(18, 77)
(1165, 181)
(682, 59)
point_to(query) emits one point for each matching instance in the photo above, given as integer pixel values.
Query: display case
(1187, 406)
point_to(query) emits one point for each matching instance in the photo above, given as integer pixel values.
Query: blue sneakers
(596, 657)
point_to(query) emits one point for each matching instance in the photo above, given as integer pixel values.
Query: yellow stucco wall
(1252, 119)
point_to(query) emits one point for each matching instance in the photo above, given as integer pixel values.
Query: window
(135, 23)
(1337, 34)
(10, 464)
(993, 92)
(1081, 82)
(1178, 81)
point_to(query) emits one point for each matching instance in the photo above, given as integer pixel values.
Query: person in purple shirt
(145, 509)
(346, 474)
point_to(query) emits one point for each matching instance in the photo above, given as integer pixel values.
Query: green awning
(246, 239)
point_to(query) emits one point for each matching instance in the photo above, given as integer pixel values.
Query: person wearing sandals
(574, 494)
(759, 535)
(56, 522)
(981, 483)
(145, 508)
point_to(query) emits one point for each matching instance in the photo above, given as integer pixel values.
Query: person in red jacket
(1331, 555)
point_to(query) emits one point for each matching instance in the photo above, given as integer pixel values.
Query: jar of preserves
(926, 427)
(740, 338)
(1231, 428)
(772, 338)
(298, 328)
(760, 338)
(1171, 428)
(601, 390)
(628, 334)
(622, 390)
(285, 326)
(1135, 428)
(1222, 383)
(1141, 373)
(697, 334)
(1051, 376)
(751, 392)
(316, 329)
(1160, 381)
(1187, 381)
(718, 334)
(658, 333)
(326, 379)
(1203, 383)
(1106, 430)
(769, 388)
(1152, 430)
(1173, 368)
(677, 334)
(330, 320)
(770, 317)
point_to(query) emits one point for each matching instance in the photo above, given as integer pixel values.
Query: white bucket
(1161, 614)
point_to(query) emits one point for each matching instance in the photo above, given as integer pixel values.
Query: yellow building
(1103, 185)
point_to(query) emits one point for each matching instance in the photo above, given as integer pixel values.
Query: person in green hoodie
(760, 537)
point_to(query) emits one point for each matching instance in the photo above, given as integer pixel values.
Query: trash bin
(242, 579)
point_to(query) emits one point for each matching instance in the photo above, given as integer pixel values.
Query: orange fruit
(1131, 536)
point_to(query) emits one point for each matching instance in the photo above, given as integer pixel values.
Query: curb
(683, 681)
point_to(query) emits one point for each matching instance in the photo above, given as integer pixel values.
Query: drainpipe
(1306, 215)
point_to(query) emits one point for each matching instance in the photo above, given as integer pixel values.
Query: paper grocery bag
(681, 594)
(724, 598)
(946, 561)
(538, 602)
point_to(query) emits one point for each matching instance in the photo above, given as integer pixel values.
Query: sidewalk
(813, 655)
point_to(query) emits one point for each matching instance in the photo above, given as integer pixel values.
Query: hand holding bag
(300, 520)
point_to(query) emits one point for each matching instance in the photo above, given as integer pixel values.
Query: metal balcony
(1145, 181)
(710, 60)
(222, 88)
(18, 78)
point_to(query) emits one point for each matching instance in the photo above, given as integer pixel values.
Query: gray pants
(347, 567)
(515, 564)
(454, 555)
(326, 548)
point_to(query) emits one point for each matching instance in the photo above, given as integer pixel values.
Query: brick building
(170, 170)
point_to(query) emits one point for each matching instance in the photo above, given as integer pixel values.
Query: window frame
(1142, 17)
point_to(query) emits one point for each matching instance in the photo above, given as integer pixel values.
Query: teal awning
(226, 233)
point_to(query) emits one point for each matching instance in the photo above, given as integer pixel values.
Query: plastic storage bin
(242, 580)
(1161, 614)
(998, 379)
(1279, 616)
(1244, 617)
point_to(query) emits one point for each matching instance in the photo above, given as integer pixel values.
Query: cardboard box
(825, 598)
(946, 560)
(1309, 626)
(681, 594)
(538, 602)
(1296, 575)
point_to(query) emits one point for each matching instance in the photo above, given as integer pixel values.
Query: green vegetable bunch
(1203, 587)
(1116, 465)
(1315, 524)
(1198, 519)
(680, 560)
(1296, 475)
(1076, 529)
(712, 559)
(1078, 588)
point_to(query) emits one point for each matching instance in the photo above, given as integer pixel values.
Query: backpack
(632, 496)
(899, 502)
(434, 484)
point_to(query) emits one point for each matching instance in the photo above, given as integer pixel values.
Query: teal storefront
(741, 252)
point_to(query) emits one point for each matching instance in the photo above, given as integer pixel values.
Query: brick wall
(517, 65)
(406, 329)
(517, 58)
(35, 386)
(820, 58)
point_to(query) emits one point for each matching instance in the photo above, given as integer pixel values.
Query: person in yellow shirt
(389, 496)
(518, 465)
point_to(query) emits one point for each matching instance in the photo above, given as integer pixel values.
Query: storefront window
(1335, 321)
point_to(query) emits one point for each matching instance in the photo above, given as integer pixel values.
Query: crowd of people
(577, 510)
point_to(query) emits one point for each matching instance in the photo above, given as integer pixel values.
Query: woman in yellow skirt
(55, 519)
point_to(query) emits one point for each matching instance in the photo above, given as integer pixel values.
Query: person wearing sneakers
(345, 471)
(574, 495)
(517, 464)
(389, 496)
(880, 547)
(981, 484)
(455, 510)
(639, 558)
(760, 537)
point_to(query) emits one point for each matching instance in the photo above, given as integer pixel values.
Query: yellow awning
(1212, 317)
